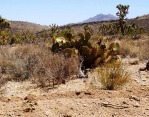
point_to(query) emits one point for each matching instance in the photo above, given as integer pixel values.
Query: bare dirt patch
(77, 99)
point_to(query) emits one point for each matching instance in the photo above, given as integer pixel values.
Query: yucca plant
(123, 11)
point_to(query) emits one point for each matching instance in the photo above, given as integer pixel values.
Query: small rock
(30, 97)
(87, 93)
(78, 103)
(9, 115)
(85, 105)
(142, 88)
(71, 108)
(67, 115)
(143, 79)
(78, 93)
(134, 98)
(27, 109)
(104, 104)
(19, 115)
(134, 62)
(136, 105)
(129, 90)
(84, 81)
(125, 103)
(63, 81)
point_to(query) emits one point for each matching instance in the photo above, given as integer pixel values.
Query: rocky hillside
(21, 25)
(142, 21)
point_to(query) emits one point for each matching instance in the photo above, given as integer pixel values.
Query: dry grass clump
(23, 62)
(134, 49)
(143, 53)
(128, 48)
(113, 76)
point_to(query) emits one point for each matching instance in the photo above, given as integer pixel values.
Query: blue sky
(62, 12)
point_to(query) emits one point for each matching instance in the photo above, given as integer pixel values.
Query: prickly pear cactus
(92, 54)
(55, 47)
(87, 35)
(68, 52)
(86, 51)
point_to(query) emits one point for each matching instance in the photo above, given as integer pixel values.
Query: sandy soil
(77, 99)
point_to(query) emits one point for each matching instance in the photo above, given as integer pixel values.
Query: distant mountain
(100, 17)
(21, 26)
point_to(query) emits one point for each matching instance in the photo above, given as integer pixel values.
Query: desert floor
(77, 98)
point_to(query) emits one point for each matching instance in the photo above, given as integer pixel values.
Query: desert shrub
(55, 69)
(128, 48)
(143, 53)
(5, 36)
(22, 59)
(134, 49)
(36, 63)
(4, 24)
(26, 37)
(113, 76)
